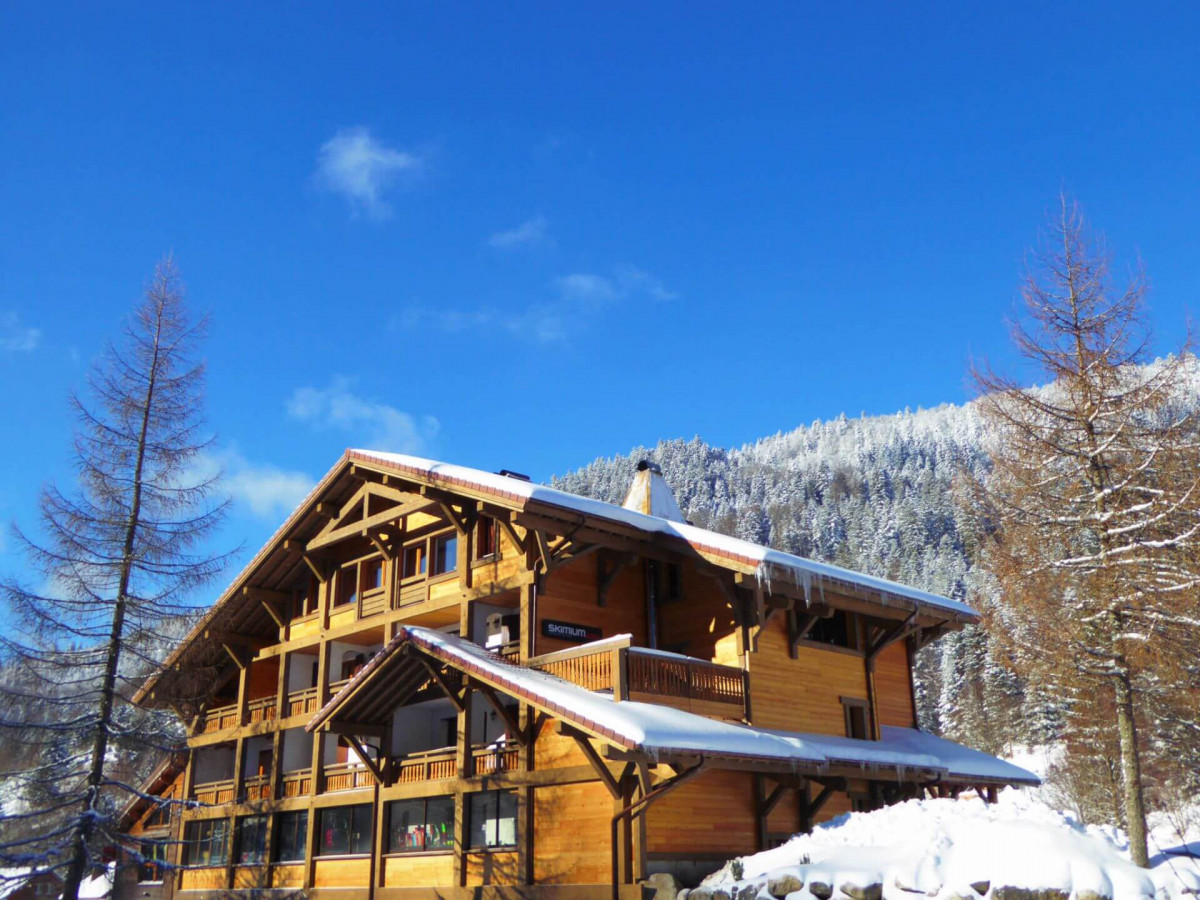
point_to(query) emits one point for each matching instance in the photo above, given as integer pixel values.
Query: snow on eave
(765, 563)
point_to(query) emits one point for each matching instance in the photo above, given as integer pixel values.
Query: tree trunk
(86, 826)
(1131, 772)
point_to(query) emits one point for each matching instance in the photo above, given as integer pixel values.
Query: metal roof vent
(509, 473)
(650, 494)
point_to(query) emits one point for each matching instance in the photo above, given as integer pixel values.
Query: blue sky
(528, 235)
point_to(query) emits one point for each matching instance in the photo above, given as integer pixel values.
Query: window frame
(489, 527)
(353, 809)
(391, 850)
(263, 851)
(851, 707)
(443, 537)
(216, 829)
(301, 816)
(471, 813)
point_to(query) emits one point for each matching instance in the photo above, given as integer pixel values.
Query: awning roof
(660, 732)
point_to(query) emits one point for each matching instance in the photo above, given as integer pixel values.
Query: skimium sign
(570, 631)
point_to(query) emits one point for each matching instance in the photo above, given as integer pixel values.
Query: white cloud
(15, 337)
(266, 490)
(579, 297)
(369, 423)
(362, 168)
(541, 323)
(528, 233)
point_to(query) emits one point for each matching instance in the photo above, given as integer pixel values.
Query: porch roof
(661, 733)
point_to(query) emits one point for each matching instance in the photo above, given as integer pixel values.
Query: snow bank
(957, 850)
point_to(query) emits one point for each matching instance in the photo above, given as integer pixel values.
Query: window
(252, 840)
(352, 665)
(857, 714)
(371, 576)
(206, 843)
(344, 830)
(414, 561)
(839, 630)
(160, 815)
(445, 554)
(304, 599)
(492, 818)
(347, 586)
(416, 825)
(486, 534)
(292, 831)
(674, 583)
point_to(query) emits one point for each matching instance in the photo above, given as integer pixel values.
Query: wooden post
(375, 867)
(462, 755)
(620, 673)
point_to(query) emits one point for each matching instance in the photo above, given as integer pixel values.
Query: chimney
(649, 493)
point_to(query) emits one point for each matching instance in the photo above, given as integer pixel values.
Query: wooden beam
(362, 527)
(458, 702)
(510, 530)
(543, 546)
(510, 723)
(618, 563)
(889, 637)
(237, 655)
(376, 771)
(585, 747)
(274, 613)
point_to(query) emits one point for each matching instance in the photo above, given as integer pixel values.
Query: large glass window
(344, 830)
(291, 832)
(492, 819)
(415, 825)
(206, 843)
(445, 554)
(154, 858)
(252, 840)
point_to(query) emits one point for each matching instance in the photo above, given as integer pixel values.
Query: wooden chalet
(438, 681)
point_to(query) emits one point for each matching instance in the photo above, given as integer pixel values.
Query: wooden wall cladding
(802, 694)
(892, 690)
(418, 870)
(571, 829)
(342, 872)
(712, 813)
(571, 595)
(491, 867)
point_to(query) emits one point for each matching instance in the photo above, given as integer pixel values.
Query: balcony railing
(346, 776)
(263, 710)
(614, 666)
(213, 793)
(218, 719)
(372, 602)
(257, 787)
(297, 784)
(303, 702)
(428, 765)
(335, 686)
(490, 760)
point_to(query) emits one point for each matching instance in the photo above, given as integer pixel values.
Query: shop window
(206, 843)
(445, 554)
(492, 819)
(291, 832)
(344, 830)
(418, 825)
(252, 840)
(153, 861)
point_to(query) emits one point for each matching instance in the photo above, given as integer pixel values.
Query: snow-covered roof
(663, 732)
(769, 564)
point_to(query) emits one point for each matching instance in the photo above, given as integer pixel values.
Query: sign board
(570, 631)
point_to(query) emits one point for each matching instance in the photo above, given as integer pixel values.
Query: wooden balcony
(297, 784)
(218, 719)
(214, 793)
(262, 710)
(346, 777)
(304, 702)
(335, 686)
(490, 760)
(257, 787)
(428, 765)
(638, 673)
(373, 602)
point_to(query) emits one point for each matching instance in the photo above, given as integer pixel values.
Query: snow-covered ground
(967, 850)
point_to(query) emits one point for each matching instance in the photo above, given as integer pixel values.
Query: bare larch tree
(1095, 499)
(118, 557)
